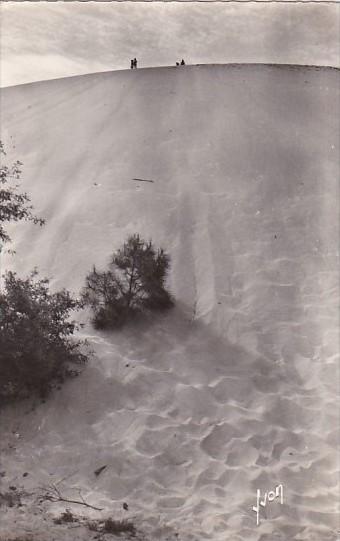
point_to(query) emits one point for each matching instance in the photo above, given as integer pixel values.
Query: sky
(47, 40)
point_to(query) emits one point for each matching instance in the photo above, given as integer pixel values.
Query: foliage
(118, 526)
(133, 283)
(112, 526)
(14, 205)
(37, 350)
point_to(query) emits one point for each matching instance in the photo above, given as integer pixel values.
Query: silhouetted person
(182, 62)
(135, 63)
(177, 63)
(131, 66)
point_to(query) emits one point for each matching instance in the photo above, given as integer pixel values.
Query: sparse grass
(65, 517)
(10, 499)
(111, 526)
(118, 526)
(93, 526)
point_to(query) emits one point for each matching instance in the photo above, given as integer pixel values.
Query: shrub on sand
(37, 350)
(134, 283)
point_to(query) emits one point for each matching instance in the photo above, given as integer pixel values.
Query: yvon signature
(267, 497)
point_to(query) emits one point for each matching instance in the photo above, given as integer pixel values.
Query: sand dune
(235, 390)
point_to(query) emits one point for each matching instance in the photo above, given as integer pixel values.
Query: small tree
(134, 283)
(14, 206)
(36, 349)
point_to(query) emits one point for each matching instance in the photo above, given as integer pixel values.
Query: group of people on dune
(133, 64)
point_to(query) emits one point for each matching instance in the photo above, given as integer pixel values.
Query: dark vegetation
(107, 526)
(118, 527)
(11, 498)
(66, 517)
(35, 330)
(113, 527)
(36, 346)
(134, 283)
(14, 205)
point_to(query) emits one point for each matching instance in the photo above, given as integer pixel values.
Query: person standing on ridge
(135, 63)
(182, 62)
(131, 66)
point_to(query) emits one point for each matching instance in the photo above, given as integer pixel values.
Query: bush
(37, 351)
(14, 205)
(134, 283)
(118, 526)
(113, 527)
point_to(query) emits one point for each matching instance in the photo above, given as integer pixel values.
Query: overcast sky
(49, 40)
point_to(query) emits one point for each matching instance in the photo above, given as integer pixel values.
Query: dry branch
(53, 494)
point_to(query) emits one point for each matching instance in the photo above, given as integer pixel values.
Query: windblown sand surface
(235, 390)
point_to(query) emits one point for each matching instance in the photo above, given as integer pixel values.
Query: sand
(235, 389)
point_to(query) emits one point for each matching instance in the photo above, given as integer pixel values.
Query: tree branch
(53, 494)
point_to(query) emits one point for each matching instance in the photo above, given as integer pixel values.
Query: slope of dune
(235, 389)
